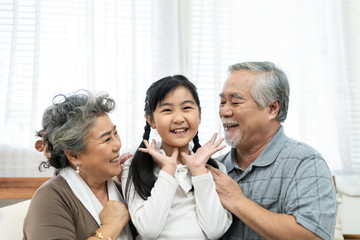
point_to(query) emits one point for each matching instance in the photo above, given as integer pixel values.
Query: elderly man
(277, 188)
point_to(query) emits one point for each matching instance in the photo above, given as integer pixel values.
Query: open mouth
(179, 130)
(230, 125)
(114, 160)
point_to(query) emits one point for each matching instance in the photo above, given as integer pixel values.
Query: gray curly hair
(67, 122)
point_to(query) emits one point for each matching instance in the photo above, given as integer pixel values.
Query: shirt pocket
(269, 204)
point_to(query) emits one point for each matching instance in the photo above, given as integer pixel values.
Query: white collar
(88, 198)
(182, 173)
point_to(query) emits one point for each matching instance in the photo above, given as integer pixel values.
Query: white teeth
(229, 125)
(114, 160)
(179, 130)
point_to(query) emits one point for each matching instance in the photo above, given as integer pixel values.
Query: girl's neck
(169, 150)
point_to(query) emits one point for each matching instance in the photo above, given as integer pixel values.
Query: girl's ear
(73, 158)
(150, 121)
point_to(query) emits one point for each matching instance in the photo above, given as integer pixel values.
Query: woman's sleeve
(149, 216)
(213, 218)
(48, 217)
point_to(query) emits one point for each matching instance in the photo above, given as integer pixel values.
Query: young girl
(170, 193)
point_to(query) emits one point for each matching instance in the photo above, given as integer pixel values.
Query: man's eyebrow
(234, 95)
(107, 133)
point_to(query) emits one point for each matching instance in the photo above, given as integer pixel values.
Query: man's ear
(150, 121)
(73, 158)
(274, 109)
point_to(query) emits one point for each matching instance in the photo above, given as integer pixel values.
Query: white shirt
(173, 211)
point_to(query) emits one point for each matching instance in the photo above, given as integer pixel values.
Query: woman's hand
(114, 218)
(197, 162)
(167, 164)
(113, 213)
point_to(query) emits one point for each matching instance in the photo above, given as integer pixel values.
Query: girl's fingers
(153, 144)
(147, 145)
(175, 153)
(145, 150)
(214, 137)
(219, 141)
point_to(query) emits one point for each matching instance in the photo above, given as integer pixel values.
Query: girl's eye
(166, 110)
(188, 107)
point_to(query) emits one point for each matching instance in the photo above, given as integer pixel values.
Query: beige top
(56, 213)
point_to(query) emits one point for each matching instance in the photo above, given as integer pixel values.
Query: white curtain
(121, 47)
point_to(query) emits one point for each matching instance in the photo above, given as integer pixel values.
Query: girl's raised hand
(167, 164)
(197, 162)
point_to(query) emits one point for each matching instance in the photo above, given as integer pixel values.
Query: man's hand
(228, 190)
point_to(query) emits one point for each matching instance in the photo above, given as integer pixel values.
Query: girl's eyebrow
(165, 104)
(187, 101)
(170, 104)
(108, 133)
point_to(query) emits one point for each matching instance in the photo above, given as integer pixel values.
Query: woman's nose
(117, 144)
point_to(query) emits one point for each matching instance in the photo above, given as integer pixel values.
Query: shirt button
(241, 181)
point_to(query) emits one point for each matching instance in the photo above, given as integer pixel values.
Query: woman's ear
(72, 157)
(150, 121)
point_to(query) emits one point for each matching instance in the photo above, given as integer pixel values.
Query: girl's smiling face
(176, 119)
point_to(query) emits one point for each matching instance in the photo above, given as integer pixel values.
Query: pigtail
(141, 171)
(196, 142)
(197, 145)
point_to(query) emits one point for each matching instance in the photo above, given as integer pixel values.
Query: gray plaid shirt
(288, 177)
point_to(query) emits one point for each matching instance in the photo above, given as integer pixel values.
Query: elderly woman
(82, 201)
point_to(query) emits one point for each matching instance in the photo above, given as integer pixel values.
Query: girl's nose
(178, 118)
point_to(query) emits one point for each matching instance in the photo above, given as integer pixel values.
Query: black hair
(141, 171)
